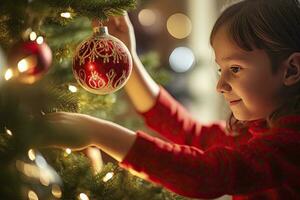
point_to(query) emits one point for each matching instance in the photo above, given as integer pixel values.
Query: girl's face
(247, 82)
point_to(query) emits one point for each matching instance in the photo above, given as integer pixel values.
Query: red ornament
(102, 63)
(29, 61)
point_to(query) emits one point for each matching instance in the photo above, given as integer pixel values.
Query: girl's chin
(244, 117)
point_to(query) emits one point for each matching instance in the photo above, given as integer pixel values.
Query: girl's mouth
(235, 102)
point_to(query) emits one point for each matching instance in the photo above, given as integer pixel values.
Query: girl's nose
(223, 86)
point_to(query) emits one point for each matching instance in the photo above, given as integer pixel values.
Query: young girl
(257, 46)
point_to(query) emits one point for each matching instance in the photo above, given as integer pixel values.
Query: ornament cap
(100, 30)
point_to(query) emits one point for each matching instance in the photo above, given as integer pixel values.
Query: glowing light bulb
(56, 191)
(32, 195)
(72, 88)
(83, 196)
(108, 176)
(8, 132)
(31, 154)
(65, 15)
(8, 74)
(40, 40)
(32, 36)
(68, 151)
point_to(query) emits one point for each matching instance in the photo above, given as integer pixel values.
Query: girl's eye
(219, 71)
(235, 69)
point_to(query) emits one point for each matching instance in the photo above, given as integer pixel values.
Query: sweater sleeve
(261, 163)
(171, 120)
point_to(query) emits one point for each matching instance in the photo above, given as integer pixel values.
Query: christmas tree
(38, 39)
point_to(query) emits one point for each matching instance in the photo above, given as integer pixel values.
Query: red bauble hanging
(29, 60)
(102, 64)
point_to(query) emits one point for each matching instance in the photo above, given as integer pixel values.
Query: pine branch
(15, 20)
(94, 8)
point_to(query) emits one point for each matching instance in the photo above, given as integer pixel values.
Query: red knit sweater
(202, 162)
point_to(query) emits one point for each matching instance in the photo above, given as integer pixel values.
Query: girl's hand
(78, 131)
(120, 27)
(69, 130)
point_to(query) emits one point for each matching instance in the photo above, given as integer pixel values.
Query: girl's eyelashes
(235, 69)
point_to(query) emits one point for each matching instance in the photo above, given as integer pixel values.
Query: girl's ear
(292, 69)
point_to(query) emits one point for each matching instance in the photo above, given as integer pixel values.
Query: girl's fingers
(59, 116)
(125, 18)
(113, 22)
(113, 19)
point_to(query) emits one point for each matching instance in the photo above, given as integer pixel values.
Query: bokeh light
(8, 132)
(40, 40)
(179, 25)
(83, 196)
(32, 195)
(68, 151)
(32, 36)
(8, 74)
(56, 191)
(108, 176)
(181, 59)
(31, 154)
(147, 17)
(72, 88)
(65, 15)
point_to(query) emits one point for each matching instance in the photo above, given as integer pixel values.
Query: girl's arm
(141, 88)
(261, 164)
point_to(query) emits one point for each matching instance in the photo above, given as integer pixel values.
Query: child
(257, 46)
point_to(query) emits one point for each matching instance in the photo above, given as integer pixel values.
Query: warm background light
(108, 176)
(72, 88)
(32, 36)
(40, 40)
(179, 25)
(83, 196)
(65, 15)
(56, 191)
(147, 17)
(8, 74)
(8, 132)
(32, 195)
(68, 151)
(31, 154)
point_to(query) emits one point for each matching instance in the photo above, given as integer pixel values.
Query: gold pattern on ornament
(121, 80)
(81, 76)
(95, 81)
(110, 77)
(93, 49)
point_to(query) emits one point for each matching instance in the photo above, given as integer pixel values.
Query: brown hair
(270, 25)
